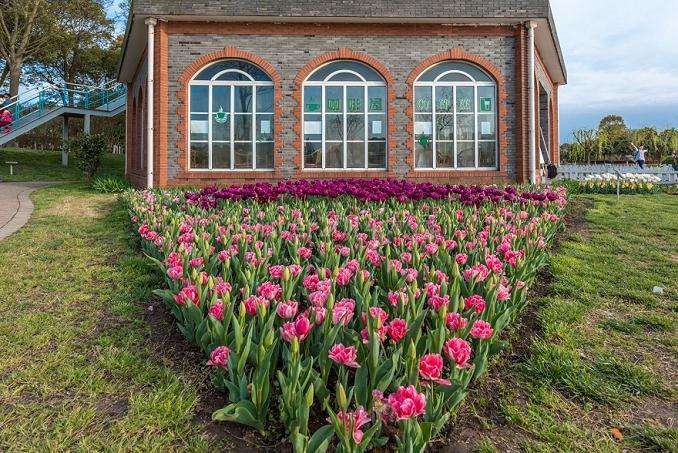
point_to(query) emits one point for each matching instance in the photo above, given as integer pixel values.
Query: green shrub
(87, 151)
(110, 184)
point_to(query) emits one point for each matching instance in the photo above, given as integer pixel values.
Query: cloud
(621, 56)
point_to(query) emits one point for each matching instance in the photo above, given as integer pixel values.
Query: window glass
(344, 117)
(265, 99)
(356, 155)
(460, 99)
(199, 155)
(222, 111)
(221, 155)
(199, 98)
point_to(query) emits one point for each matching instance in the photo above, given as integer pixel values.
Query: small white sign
(313, 127)
(423, 127)
(485, 127)
(376, 127)
(265, 127)
(199, 127)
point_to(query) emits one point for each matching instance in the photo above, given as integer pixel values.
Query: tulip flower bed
(372, 305)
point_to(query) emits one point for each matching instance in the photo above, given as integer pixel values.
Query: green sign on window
(423, 104)
(375, 105)
(333, 105)
(313, 107)
(444, 104)
(354, 104)
(485, 104)
(464, 105)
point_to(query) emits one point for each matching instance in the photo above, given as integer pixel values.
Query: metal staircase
(38, 106)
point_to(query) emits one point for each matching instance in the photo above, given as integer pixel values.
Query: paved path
(15, 205)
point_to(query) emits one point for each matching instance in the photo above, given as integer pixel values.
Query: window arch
(455, 117)
(344, 120)
(231, 105)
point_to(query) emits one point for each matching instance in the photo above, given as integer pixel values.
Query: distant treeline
(612, 142)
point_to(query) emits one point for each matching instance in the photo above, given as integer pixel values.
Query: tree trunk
(14, 77)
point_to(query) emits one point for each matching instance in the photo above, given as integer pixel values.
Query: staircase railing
(32, 104)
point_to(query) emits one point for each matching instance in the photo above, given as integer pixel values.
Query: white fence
(575, 171)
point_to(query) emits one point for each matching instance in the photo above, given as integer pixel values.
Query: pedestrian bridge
(40, 105)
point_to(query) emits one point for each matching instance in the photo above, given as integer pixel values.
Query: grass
(80, 369)
(603, 356)
(46, 166)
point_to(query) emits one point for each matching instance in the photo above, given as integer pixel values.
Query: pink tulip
(298, 329)
(343, 276)
(494, 263)
(353, 422)
(187, 294)
(475, 301)
(455, 321)
(269, 290)
(407, 403)
(304, 253)
(438, 302)
(219, 357)
(481, 329)
(458, 350)
(397, 329)
(344, 355)
(175, 272)
(287, 309)
(252, 304)
(222, 288)
(343, 311)
(431, 368)
(196, 262)
(461, 258)
(217, 310)
(503, 293)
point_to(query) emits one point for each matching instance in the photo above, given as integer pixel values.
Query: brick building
(242, 91)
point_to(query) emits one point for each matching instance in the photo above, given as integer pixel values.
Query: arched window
(455, 117)
(231, 110)
(344, 124)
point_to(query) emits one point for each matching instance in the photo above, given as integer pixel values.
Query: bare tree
(587, 141)
(18, 40)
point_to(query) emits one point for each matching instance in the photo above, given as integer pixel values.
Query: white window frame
(232, 114)
(434, 128)
(324, 84)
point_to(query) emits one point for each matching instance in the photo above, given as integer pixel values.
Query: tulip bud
(341, 397)
(268, 339)
(309, 396)
(286, 274)
(412, 351)
(242, 310)
(295, 346)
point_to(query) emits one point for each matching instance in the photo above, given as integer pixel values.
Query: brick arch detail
(457, 53)
(310, 67)
(229, 52)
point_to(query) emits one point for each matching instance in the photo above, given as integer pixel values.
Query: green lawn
(46, 166)
(598, 351)
(86, 365)
(81, 368)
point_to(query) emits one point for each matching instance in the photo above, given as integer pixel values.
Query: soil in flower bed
(373, 305)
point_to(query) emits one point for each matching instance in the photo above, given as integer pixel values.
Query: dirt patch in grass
(78, 207)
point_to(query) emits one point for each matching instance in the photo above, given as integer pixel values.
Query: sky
(621, 58)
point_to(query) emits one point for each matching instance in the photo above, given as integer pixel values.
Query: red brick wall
(160, 124)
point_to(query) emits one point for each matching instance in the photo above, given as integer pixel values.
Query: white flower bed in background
(630, 177)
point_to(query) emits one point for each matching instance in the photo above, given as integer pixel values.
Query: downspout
(531, 113)
(150, 23)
